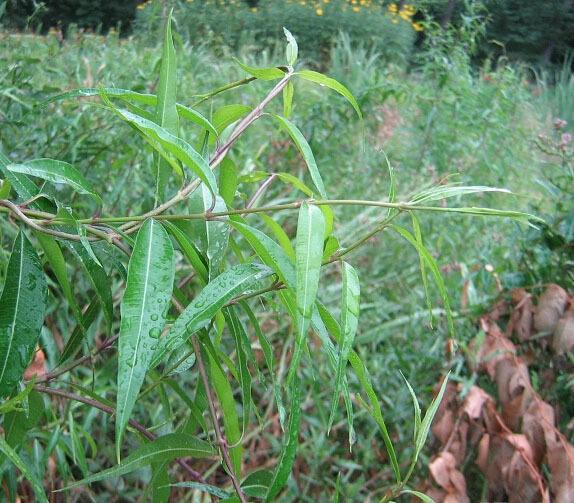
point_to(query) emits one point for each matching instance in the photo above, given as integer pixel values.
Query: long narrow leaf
(22, 307)
(166, 111)
(308, 252)
(56, 172)
(306, 152)
(235, 281)
(165, 448)
(350, 295)
(148, 292)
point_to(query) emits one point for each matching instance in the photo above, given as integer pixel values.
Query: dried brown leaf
(551, 306)
(563, 339)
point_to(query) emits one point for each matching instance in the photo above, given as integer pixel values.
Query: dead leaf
(551, 306)
(444, 472)
(537, 425)
(563, 339)
(37, 367)
(521, 318)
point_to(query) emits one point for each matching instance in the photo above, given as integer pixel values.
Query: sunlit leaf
(292, 50)
(261, 73)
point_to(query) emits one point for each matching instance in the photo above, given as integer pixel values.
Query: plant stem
(110, 410)
(222, 442)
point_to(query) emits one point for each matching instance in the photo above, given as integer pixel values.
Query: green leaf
(166, 111)
(232, 282)
(323, 80)
(56, 172)
(287, 458)
(97, 276)
(24, 468)
(417, 409)
(190, 252)
(146, 299)
(262, 73)
(5, 188)
(292, 50)
(365, 380)
(22, 307)
(227, 115)
(452, 190)
(164, 448)
(206, 488)
(419, 239)
(228, 180)
(217, 233)
(229, 412)
(350, 296)
(427, 420)
(308, 252)
(423, 497)
(306, 152)
(55, 258)
(257, 483)
(176, 146)
(75, 341)
(129, 96)
(288, 92)
(431, 263)
(280, 235)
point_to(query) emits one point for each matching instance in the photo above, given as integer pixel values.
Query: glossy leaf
(350, 295)
(308, 252)
(147, 296)
(25, 469)
(217, 233)
(188, 249)
(22, 307)
(206, 488)
(56, 172)
(331, 83)
(164, 448)
(176, 146)
(228, 180)
(231, 283)
(306, 152)
(166, 112)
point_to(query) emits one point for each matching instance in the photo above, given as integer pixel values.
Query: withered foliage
(511, 438)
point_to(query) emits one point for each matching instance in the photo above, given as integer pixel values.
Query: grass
(440, 117)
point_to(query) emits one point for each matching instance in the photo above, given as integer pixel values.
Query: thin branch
(110, 410)
(222, 442)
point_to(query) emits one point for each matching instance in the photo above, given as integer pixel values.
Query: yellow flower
(356, 9)
(253, 9)
(319, 11)
(141, 6)
(326, 1)
(393, 8)
(418, 27)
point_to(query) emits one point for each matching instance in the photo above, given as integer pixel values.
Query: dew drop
(154, 333)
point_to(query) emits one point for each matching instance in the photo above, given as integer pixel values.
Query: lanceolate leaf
(176, 146)
(233, 282)
(165, 448)
(56, 172)
(24, 468)
(166, 112)
(217, 233)
(188, 249)
(132, 96)
(289, 450)
(349, 320)
(331, 83)
(306, 152)
(308, 252)
(22, 307)
(227, 115)
(148, 292)
(262, 73)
